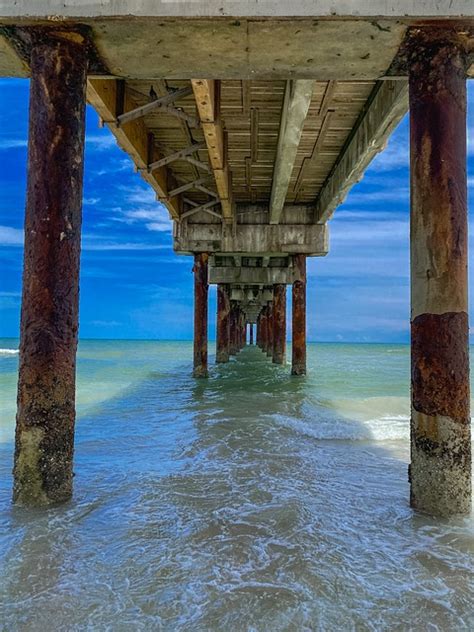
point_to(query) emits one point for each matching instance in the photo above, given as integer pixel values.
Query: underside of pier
(251, 122)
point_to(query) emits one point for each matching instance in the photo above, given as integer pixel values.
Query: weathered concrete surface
(440, 470)
(252, 276)
(279, 323)
(388, 106)
(298, 359)
(256, 239)
(222, 324)
(49, 314)
(200, 315)
(395, 9)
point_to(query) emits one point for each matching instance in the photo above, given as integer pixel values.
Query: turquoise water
(250, 501)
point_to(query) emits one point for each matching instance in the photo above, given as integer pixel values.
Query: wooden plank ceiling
(249, 113)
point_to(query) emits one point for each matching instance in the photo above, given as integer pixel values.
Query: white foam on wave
(326, 427)
(9, 352)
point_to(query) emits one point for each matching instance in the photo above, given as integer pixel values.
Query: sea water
(251, 501)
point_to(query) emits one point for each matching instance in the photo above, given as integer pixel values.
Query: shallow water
(250, 501)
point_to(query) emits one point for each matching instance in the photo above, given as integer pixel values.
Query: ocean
(251, 501)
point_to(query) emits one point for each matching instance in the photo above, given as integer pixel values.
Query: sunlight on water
(250, 501)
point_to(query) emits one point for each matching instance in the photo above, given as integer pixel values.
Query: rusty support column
(440, 470)
(250, 334)
(279, 323)
(270, 330)
(200, 314)
(298, 355)
(257, 331)
(232, 349)
(49, 312)
(222, 328)
(264, 329)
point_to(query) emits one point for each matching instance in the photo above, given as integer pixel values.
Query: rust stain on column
(223, 324)
(49, 314)
(440, 470)
(232, 330)
(264, 329)
(200, 314)
(279, 323)
(298, 360)
(270, 330)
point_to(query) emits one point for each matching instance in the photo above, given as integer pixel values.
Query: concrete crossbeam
(253, 276)
(255, 239)
(298, 95)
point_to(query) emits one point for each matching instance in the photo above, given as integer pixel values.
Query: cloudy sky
(134, 286)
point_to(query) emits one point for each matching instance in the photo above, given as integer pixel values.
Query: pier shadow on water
(241, 502)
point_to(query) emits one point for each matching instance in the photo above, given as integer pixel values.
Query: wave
(9, 352)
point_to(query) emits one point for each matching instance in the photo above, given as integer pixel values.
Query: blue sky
(134, 286)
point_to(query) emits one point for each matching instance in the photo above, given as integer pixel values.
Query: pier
(250, 122)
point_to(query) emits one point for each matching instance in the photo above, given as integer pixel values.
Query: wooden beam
(177, 155)
(385, 108)
(202, 207)
(160, 103)
(298, 95)
(132, 137)
(207, 95)
(187, 186)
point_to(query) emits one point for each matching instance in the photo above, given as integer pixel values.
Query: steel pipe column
(279, 323)
(440, 470)
(223, 324)
(298, 351)
(200, 314)
(44, 445)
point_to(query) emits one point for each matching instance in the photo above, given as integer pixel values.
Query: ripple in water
(251, 501)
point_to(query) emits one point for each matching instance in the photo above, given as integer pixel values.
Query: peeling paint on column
(440, 470)
(44, 441)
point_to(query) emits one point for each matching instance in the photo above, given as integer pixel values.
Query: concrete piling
(223, 324)
(440, 470)
(250, 333)
(298, 355)
(200, 314)
(44, 445)
(279, 323)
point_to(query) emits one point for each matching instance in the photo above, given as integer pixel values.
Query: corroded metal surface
(49, 315)
(270, 330)
(200, 315)
(223, 324)
(279, 323)
(298, 359)
(440, 467)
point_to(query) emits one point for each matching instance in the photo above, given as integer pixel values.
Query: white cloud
(12, 143)
(11, 236)
(101, 143)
